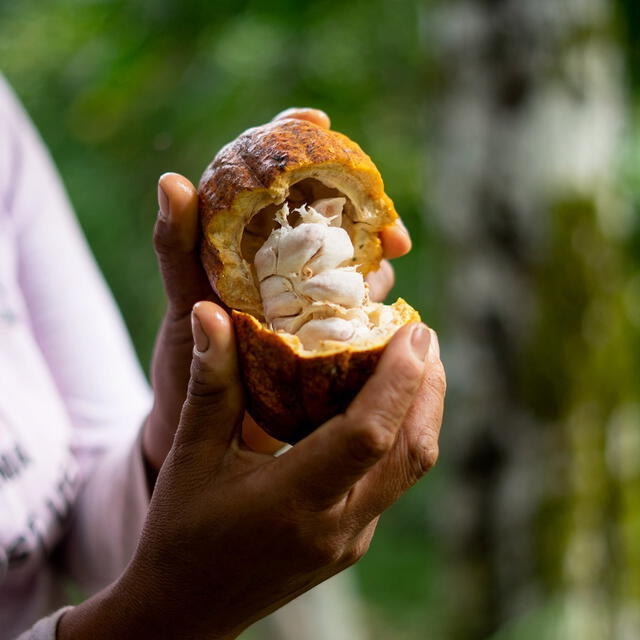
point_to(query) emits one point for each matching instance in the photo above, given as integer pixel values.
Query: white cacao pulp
(308, 285)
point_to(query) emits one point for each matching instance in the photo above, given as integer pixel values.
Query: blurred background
(507, 135)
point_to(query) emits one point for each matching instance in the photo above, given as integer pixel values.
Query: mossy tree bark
(543, 419)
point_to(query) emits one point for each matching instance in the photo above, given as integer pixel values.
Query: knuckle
(426, 457)
(198, 388)
(422, 458)
(359, 546)
(317, 549)
(431, 456)
(356, 552)
(198, 384)
(200, 369)
(351, 556)
(326, 552)
(372, 440)
(325, 549)
(437, 380)
(163, 239)
(177, 320)
(313, 536)
(203, 384)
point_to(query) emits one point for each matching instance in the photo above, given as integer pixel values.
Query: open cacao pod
(291, 215)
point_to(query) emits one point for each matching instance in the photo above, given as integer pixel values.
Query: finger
(361, 542)
(257, 439)
(176, 241)
(213, 410)
(415, 451)
(381, 281)
(396, 241)
(324, 466)
(305, 113)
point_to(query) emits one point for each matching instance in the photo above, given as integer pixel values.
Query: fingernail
(200, 338)
(433, 354)
(420, 339)
(163, 202)
(401, 226)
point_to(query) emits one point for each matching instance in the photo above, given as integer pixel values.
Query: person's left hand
(176, 240)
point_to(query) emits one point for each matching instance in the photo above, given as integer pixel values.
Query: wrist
(104, 616)
(151, 607)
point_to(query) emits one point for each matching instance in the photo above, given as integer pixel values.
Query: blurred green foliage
(124, 91)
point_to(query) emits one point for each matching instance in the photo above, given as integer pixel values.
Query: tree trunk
(527, 118)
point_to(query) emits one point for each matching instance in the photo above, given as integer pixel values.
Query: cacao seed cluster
(308, 284)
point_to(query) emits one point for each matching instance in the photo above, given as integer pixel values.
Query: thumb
(213, 410)
(176, 238)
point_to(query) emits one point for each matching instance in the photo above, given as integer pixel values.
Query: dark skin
(222, 514)
(176, 240)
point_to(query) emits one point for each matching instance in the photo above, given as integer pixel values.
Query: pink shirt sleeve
(69, 380)
(44, 629)
(83, 342)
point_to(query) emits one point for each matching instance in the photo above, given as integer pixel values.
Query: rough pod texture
(291, 215)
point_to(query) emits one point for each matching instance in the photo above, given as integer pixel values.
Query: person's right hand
(232, 534)
(177, 243)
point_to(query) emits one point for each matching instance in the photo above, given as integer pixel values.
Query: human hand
(176, 241)
(232, 534)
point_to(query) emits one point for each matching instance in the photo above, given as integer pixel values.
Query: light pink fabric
(45, 629)
(72, 396)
